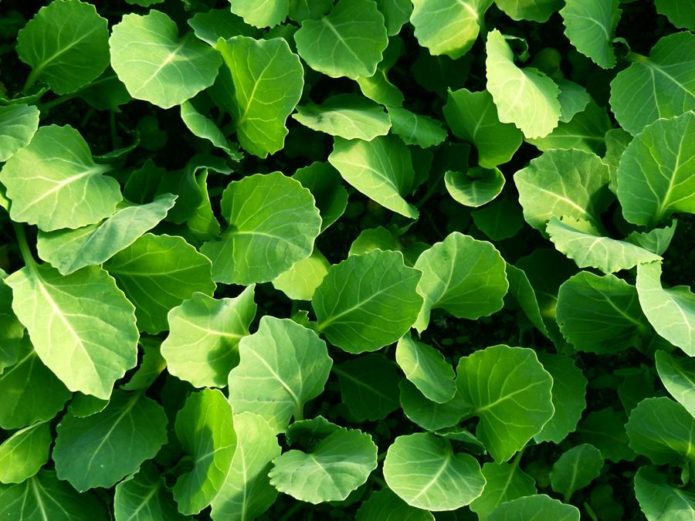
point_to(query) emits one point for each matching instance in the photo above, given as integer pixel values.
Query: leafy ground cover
(362, 259)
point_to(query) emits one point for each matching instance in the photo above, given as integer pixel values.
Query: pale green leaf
(534, 10)
(18, 124)
(261, 13)
(384, 505)
(367, 301)
(475, 187)
(573, 99)
(503, 482)
(416, 129)
(144, 497)
(282, 366)
(301, 280)
(157, 65)
(429, 415)
(205, 128)
(371, 239)
(534, 508)
(425, 472)
(678, 376)
(214, 24)
(427, 368)
(661, 501)
(54, 183)
(24, 453)
(575, 469)
(656, 240)
(349, 41)
(590, 27)
(204, 334)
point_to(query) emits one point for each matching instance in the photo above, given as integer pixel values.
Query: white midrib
(434, 479)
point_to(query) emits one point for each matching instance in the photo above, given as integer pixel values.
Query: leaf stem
(31, 79)
(24, 249)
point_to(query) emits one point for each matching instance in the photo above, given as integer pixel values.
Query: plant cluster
(351, 259)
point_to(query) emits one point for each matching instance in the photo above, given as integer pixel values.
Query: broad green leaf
(323, 181)
(70, 250)
(54, 183)
(301, 10)
(381, 169)
(617, 141)
(534, 10)
(384, 505)
(575, 469)
(656, 173)
(661, 501)
(205, 429)
(475, 187)
(662, 430)
(429, 415)
(301, 280)
(355, 33)
(396, 14)
(600, 314)
(268, 79)
(425, 472)
(263, 13)
(348, 116)
(656, 240)
(214, 24)
(282, 366)
(573, 99)
(157, 65)
(563, 183)
(46, 498)
(499, 220)
(671, 312)
(579, 241)
(273, 223)
(605, 430)
(510, 392)
(83, 405)
(678, 376)
(65, 44)
(101, 449)
(368, 387)
(526, 97)
(463, 276)
(24, 453)
(448, 27)
(81, 325)
(569, 397)
(680, 14)
(157, 273)
(367, 301)
(246, 492)
(590, 27)
(18, 124)
(427, 368)
(503, 482)
(205, 128)
(32, 392)
(204, 334)
(335, 466)
(658, 86)
(144, 497)
(473, 116)
(416, 129)
(534, 508)
(371, 239)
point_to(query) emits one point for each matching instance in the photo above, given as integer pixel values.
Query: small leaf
(605, 429)
(24, 453)
(416, 129)
(301, 280)
(323, 181)
(476, 187)
(266, 13)
(661, 501)
(18, 124)
(503, 482)
(205, 128)
(678, 376)
(214, 24)
(534, 10)
(427, 368)
(144, 497)
(590, 27)
(384, 505)
(429, 415)
(396, 14)
(575, 469)
(528, 507)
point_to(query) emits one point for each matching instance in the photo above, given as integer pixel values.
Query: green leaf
(214, 24)
(396, 14)
(265, 13)
(151, 366)
(158, 66)
(24, 453)
(335, 466)
(144, 497)
(101, 449)
(463, 276)
(656, 86)
(503, 482)
(368, 387)
(348, 116)
(430, 415)
(656, 240)
(157, 273)
(534, 10)
(575, 469)
(54, 183)
(510, 392)
(425, 472)
(323, 181)
(475, 187)
(206, 432)
(355, 33)
(18, 124)
(473, 116)
(70, 250)
(384, 505)
(499, 220)
(590, 27)
(448, 27)
(605, 429)
(301, 10)
(563, 183)
(65, 44)
(83, 405)
(367, 301)
(416, 129)
(579, 241)
(678, 376)
(301, 280)
(671, 312)
(268, 79)
(81, 325)
(655, 174)
(573, 99)
(681, 14)
(427, 368)
(529, 507)
(662, 430)
(246, 492)
(526, 97)
(44, 497)
(204, 334)
(273, 223)
(282, 366)
(371, 239)
(203, 127)
(381, 169)
(521, 290)
(661, 501)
